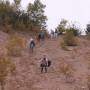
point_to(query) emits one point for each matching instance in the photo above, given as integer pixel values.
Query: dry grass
(67, 70)
(15, 46)
(64, 46)
(7, 28)
(70, 39)
(88, 36)
(6, 67)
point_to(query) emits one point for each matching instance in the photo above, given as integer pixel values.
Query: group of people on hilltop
(54, 34)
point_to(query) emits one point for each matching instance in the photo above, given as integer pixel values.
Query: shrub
(67, 70)
(5, 69)
(15, 46)
(70, 39)
(75, 31)
(88, 35)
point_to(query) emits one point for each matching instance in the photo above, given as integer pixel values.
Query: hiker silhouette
(32, 44)
(45, 63)
(41, 37)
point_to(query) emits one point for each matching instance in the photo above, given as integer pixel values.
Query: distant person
(45, 63)
(32, 44)
(56, 33)
(52, 34)
(41, 37)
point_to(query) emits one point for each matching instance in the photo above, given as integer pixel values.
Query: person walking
(56, 33)
(52, 34)
(32, 44)
(44, 64)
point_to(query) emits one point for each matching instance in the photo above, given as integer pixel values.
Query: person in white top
(32, 44)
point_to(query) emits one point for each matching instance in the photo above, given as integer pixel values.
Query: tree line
(13, 16)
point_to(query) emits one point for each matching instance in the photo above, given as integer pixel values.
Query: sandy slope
(28, 76)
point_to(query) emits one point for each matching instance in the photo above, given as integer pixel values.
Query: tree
(12, 15)
(62, 26)
(17, 4)
(4, 12)
(36, 14)
(75, 30)
(6, 66)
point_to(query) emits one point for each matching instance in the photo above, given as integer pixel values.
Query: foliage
(18, 19)
(88, 35)
(62, 26)
(15, 46)
(67, 70)
(36, 12)
(75, 30)
(17, 3)
(5, 69)
(70, 39)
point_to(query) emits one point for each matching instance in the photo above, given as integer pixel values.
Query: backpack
(49, 63)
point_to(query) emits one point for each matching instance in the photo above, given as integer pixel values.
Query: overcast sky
(72, 10)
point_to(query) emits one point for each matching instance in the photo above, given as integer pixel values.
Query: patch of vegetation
(15, 46)
(67, 70)
(6, 67)
(12, 16)
(70, 39)
(88, 35)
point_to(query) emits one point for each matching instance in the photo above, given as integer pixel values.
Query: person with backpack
(32, 44)
(45, 63)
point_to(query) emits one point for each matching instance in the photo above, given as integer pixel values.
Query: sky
(76, 11)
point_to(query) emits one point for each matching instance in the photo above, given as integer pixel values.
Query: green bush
(75, 31)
